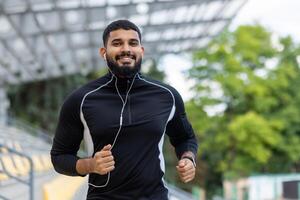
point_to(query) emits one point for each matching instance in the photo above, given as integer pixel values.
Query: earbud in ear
(104, 55)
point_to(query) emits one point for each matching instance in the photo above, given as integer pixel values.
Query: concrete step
(81, 193)
(14, 190)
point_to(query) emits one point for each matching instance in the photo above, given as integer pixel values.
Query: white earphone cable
(121, 123)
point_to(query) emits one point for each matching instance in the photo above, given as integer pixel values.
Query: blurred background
(235, 63)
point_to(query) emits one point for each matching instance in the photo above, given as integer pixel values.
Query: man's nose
(125, 47)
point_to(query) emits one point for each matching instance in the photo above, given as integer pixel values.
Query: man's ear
(102, 52)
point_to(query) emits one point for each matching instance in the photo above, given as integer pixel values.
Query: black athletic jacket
(93, 112)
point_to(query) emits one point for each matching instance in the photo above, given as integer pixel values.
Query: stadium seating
(48, 185)
(53, 190)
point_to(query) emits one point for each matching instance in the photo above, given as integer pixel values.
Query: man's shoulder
(162, 84)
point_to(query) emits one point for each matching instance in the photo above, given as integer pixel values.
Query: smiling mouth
(126, 59)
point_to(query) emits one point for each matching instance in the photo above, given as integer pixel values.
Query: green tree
(255, 81)
(153, 71)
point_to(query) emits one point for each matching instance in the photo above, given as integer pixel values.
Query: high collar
(122, 82)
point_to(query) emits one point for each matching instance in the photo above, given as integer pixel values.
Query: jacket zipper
(128, 103)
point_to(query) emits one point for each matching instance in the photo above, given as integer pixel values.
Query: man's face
(123, 52)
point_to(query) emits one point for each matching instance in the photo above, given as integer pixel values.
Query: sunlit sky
(281, 17)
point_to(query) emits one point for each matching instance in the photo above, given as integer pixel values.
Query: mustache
(125, 54)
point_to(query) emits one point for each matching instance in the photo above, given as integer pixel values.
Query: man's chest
(143, 112)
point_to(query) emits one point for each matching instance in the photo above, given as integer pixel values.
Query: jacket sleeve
(179, 129)
(67, 139)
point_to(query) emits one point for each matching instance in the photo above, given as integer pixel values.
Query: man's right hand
(103, 161)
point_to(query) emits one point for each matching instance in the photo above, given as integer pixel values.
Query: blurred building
(264, 187)
(40, 39)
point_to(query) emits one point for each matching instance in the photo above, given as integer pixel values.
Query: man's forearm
(85, 166)
(65, 164)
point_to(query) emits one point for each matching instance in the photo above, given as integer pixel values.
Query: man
(123, 117)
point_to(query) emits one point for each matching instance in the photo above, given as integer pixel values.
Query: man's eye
(116, 43)
(134, 43)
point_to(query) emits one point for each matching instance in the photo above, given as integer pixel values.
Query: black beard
(123, 71)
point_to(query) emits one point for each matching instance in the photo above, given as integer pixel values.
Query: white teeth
(126, 59)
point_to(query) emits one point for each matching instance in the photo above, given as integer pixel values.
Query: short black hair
(119, 24)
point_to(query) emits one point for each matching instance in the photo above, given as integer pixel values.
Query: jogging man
(122, 118)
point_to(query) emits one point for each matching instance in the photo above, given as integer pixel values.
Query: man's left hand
(186, 170)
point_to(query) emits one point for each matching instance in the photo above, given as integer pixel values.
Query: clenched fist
(186, 170)
(103, 161)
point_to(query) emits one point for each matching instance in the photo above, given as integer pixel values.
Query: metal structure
(30, 181)
(40, 39)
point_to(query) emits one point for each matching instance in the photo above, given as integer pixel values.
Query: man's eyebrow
(134, 40)
(116, 40)
(130, 40)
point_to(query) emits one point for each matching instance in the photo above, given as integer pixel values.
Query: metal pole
(31, 180)
(4, 104)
